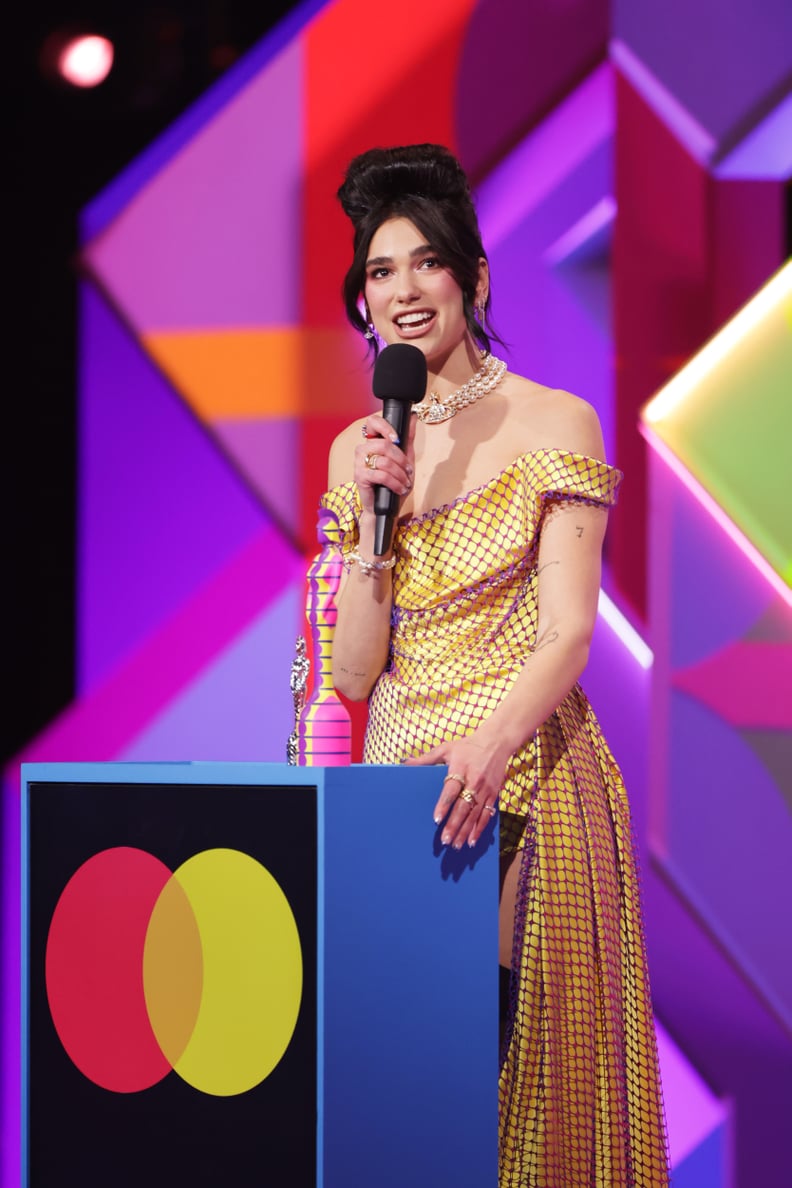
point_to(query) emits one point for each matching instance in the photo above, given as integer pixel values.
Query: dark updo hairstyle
(425, 184)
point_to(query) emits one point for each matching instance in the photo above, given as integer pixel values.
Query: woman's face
(411, 297)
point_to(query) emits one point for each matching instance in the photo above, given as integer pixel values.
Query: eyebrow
(416, 251)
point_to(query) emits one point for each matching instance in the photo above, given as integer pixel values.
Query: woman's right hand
(381, 462)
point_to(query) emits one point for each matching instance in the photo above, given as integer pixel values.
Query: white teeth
(414, 319)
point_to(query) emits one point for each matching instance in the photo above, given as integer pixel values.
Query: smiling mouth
(414, 321)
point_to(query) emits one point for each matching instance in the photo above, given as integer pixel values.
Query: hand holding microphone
(399, 381)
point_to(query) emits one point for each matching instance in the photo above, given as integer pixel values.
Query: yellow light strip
(777, 290)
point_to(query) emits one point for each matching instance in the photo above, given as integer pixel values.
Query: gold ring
(490, 808)
(453, 776)
(467, 795)
(371, 461)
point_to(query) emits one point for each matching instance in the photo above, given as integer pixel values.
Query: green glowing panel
(728, 418)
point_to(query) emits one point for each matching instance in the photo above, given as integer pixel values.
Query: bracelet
(367, 567)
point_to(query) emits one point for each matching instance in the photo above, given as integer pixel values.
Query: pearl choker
(432, 410)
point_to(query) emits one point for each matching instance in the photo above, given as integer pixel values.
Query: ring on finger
(364, 430)
(371, 461)
(491, 809)
(467, 795)
(453, 776)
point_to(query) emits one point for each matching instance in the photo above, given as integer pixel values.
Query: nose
(407, 286)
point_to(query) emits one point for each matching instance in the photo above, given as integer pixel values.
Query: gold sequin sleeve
(344, 502)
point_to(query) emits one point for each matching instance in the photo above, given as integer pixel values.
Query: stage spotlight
(80, 59)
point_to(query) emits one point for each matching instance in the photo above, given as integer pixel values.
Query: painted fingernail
(394, 438)
(445, 839)
(405, 490)
(410, 470)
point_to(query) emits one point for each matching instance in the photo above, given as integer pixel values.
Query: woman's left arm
(569, 565)
(568, 582)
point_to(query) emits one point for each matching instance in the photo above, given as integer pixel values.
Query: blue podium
(252, 974)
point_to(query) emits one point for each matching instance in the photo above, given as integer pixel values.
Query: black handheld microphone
(399, 381)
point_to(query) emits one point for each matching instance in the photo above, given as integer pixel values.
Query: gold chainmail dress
(580, 1100)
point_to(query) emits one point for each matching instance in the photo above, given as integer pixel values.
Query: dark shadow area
(64, 146)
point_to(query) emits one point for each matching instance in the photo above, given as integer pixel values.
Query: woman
(468, 638)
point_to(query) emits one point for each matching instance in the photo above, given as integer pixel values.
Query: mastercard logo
(198, 971)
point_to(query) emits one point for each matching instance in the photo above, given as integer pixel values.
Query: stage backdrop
(631, 164)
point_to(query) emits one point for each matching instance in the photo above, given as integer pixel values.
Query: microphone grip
(386, 502)
(383, 531)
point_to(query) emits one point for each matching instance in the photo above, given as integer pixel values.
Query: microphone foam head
(400, 373)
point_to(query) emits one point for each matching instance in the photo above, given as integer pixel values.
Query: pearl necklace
(433, 410)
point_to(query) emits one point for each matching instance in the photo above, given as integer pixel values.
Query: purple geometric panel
(539, 51)
(721, 62)
(582, 259)
(709, 1165)
(693, 1112)
(583, 123)
(619, 692)
(267, 452)
(550, 191)
(721, 597)
(721, 833)
(766, 153)
(737, 1045)
(774, 749)
(250, 681)
(180, 256)
(159, 507)
(730, 846)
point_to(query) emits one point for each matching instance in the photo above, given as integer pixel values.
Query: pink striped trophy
(323, 729)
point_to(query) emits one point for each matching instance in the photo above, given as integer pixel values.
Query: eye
(378, 273)
(430, 262)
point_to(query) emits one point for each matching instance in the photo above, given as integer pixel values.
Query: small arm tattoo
(351, 671)
(546, 564)
(548, 639)
(579, 530)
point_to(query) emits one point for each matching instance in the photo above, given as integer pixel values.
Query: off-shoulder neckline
(442, 507)
(554, 450)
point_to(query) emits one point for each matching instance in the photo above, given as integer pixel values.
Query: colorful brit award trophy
(298, 679)
(324, 728)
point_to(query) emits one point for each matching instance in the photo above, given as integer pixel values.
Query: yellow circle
(251, 974)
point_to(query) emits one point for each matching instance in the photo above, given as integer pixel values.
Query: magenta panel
(214, 238)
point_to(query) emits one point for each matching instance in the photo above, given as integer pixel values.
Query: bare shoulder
(551, 418)
(341, 463)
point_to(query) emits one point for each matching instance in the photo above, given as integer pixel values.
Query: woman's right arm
(362, 632)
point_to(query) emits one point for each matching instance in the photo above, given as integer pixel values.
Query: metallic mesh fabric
(580, 1100)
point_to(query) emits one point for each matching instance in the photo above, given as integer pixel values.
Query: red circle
(94, 967)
